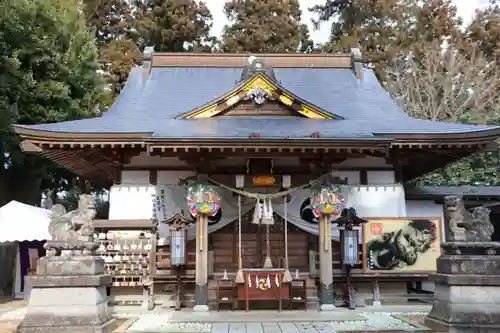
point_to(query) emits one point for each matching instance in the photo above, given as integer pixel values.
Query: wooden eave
(475, 137)
(120, 137)
(88, 163)
(149, 144)
(54, 139)
(258, 144)
(243, 91)
(102, 162)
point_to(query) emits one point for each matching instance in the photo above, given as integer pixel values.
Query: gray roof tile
(152, 105)
(460, 190)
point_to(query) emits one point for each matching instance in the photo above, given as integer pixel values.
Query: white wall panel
(173, 177)
(380, 177)
(135, 177)
(352, 176)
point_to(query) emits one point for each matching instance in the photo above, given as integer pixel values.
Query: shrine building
(228, 175)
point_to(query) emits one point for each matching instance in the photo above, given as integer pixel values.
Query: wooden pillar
(325, 265)
(201, 287)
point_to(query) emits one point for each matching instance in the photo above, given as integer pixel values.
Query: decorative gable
(259, 91)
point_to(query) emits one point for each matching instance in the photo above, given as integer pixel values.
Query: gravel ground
(375, 321)
(159, 322)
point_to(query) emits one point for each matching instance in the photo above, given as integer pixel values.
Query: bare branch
(446, 85)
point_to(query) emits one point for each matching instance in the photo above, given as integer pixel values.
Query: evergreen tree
(264, 26)
(387, 29)
(48, 73)
(434, 22)
(112, 22)
(110, 19)
(118, 57)
(372, 25)
(173, 26)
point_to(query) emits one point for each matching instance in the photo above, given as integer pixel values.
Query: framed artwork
(401, 245)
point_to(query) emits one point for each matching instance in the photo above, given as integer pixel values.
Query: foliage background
(62, 60)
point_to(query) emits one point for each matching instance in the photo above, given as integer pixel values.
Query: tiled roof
(442, 191)
(151, 106)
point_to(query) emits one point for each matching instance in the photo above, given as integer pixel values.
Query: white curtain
(136, 202)
(368, 200)
(128, 202)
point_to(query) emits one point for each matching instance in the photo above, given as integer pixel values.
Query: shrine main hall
(261, 181)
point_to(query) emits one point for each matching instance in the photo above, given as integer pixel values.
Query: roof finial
(251, 60)
(146, 64)
(357, 63)
(256, 65)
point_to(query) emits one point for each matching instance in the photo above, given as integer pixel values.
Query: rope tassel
(240, 278)
(268, 263)
(287, 277)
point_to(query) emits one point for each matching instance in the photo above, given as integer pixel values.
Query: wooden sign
(263, 180)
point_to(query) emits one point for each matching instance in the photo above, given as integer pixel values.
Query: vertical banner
(159, 205)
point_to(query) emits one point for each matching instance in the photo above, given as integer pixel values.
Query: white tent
(20, 222)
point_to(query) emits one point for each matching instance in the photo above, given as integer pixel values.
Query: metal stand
(178, 270)
(351, 303)
(346, 222)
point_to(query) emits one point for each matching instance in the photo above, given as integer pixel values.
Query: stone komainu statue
(74, 229)
(464, 226)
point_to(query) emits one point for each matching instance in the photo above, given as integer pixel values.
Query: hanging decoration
(267, 213)
(264, 215)
(262, 196)
(327, 203)
(327, 200)
(263, 283)
(268, 262)
(203, 200)
(257, 213)
(240, 278)
(287, 277)
(263, 212)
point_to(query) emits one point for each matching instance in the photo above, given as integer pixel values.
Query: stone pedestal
(68, 295)
(467, 289)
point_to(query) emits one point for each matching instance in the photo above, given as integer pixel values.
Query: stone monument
(69, 288)
(467, 281)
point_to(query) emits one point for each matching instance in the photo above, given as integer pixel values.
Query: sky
(465, 10)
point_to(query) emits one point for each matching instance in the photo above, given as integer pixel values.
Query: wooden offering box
(263, 285)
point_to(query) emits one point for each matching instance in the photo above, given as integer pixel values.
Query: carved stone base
(467, 294)
(312, 303)
(65, 303)
(201, 295)
(326, 293)
(327, 307)
(107, 327)
(201, 308)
